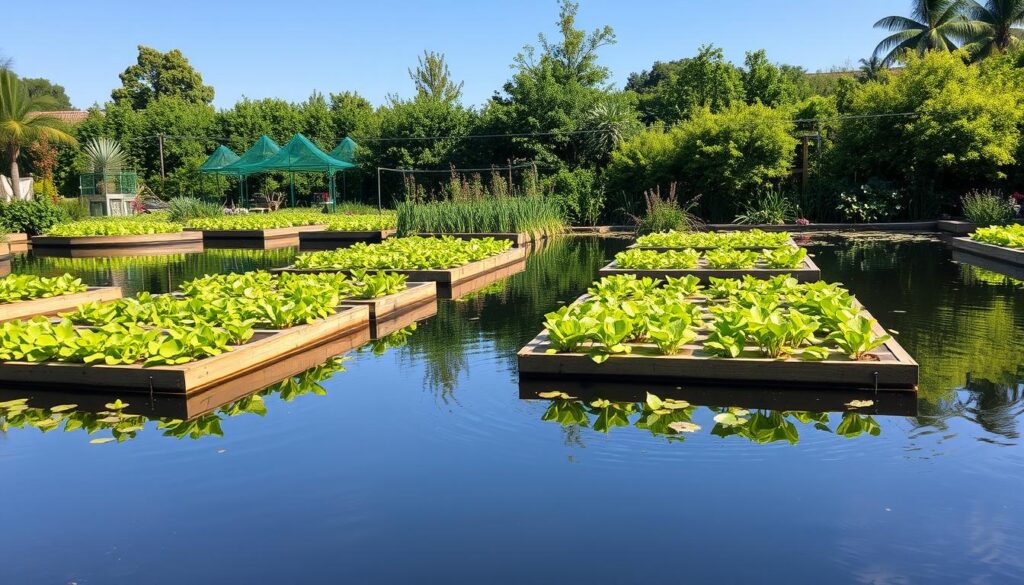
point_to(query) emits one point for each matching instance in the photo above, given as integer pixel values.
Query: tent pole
(291, 175)
(379, 208)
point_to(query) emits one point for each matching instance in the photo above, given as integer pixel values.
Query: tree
(433, 79)
(574, 55)
(704, 81)
(932, 25)
(764, 82)
(998, 22)
(351, 114)
(156, 75)
(871, 68)
(104, 157)
(22, 122)
(39, 87)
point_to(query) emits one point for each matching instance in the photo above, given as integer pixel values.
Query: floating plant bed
(1015, 271)
(808, 271)
(56, 304)
(444, 276)
(5, 252)
(263, 349)
(733, 332)
(468, 287)
(891, 367)
(1010, 256)
(111, 246)
(18, 242)
(263, 239)
(186, 407)
(329, 240)
(518, 240)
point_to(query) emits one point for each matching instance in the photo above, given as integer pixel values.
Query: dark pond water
(420, 463)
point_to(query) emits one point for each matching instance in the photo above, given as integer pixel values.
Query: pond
(416, 460)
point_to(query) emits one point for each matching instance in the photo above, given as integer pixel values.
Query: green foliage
(259, 221)
(579, 195)
(726, 157)
(24, 287)
(666, 214)
(986, 208)
(113, 226)
(652, 260)
(704, 82)
(41, 340)
(770, 208)
(76, 208)
(736, 239)
(934, 25)
(765, 82)
(183, 209)
(410, 253)
(730, 258)
(784, 257)
(56, 99)
(1011, 236)
(156, 75)
(496, 215)
(869, 202)
(31, 217)
(360, 222)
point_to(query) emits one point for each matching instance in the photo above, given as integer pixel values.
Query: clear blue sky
(288, 49)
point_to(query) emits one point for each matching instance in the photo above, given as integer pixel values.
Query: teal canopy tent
(346, 151)
(214, 165)
(263, 149)
(299, 155)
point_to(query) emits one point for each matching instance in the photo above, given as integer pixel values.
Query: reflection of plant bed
(774, 331)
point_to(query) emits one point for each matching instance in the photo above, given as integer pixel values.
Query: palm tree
(22, 122)
(871, 68)
(997, 21)
(933, 25)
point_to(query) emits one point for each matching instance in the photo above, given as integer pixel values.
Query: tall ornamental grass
(496, 215)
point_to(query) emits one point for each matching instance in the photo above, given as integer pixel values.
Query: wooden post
(803, 163)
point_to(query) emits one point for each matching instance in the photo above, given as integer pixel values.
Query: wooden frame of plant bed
(18, 242)
(788, 243)
(331, 240)
(807, 272)
(5, 252)
(113, 246)
(891, 367)
(518, 239)
(267, 239)
(263, 350)
(1011, 256)
(415, 294)
(442, 276)
(57, 304)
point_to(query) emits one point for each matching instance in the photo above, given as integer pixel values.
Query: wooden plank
(808, 272)
(518, 239)
(17, 242)
(195, 376)
(448, 276)
(398, 320)
(116, 246)
(467, 287)
(906, 226)
(266, 239)
(57, 304)
(1011, 256)
(5, 251)
(331, 240)
(415, 294)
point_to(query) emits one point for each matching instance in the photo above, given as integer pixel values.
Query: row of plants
(353, 222)
(776, 318)
(674, 419)
(534, 215)
(115, 226)
(26, 287)
(773, 258)
(259, 221)
(411, 253)
(1010, 236)
(739, 239)
(238, 303)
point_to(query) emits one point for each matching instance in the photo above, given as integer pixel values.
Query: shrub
(986, 208)
(31, 217)
(663, 215)
(494, 215)
(872, 201)
(771, 208)
(76, 208)
(579, 196)
(185, 208)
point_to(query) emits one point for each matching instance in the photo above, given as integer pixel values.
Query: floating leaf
(684, 427)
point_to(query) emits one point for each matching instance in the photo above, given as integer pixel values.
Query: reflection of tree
(508, 315)
(156, 274)
(950, 317)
